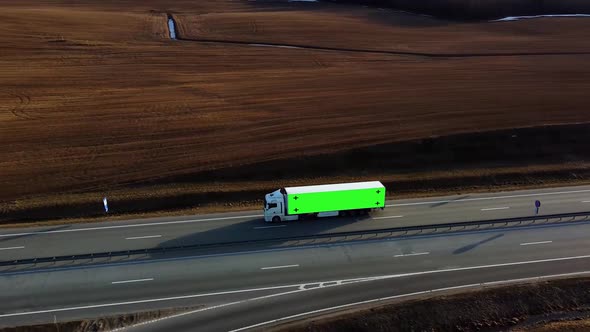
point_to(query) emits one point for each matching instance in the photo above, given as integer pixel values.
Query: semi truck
(327, 200)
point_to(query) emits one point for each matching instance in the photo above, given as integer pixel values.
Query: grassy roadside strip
(475, 162)
(161, 201)
(107, 323)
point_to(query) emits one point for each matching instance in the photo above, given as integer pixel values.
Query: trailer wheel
(276, 219)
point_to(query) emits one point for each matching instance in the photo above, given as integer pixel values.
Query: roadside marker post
(106, 205)
(537, 206)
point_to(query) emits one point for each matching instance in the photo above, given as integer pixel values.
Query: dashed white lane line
(143, 237)
(491, 198)
(12, 248)
(265, 227)
(496, 208)
(585, 201)
(413, 254)
(131, 281)
(388, 217)
(279, 267)
(534, 243)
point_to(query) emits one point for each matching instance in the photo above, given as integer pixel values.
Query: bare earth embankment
(96, 100)
(558, 305)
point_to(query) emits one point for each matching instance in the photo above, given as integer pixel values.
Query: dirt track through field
(354, 50)
(427, 55)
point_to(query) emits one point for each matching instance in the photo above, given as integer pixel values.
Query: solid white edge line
(130, 281)
(533, 243)
(338, 282)
(413, 254)
(491, 198)
(436, 290)
(115, 304)
(388, 217)
(279, 267)
(496, 208)
(143, 237)
(12, 248)
(128, 226)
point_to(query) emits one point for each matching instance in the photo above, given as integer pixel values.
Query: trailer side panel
(343, 200)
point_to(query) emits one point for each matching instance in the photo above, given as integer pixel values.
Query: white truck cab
(274, 207)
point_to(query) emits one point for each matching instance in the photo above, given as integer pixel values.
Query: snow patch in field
(516, 18)
(172, 28)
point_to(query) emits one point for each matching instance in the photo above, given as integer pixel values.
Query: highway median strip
(332, 238)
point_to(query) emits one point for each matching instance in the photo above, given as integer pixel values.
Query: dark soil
(496, 309)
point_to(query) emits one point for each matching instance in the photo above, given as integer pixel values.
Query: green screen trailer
(334, 197)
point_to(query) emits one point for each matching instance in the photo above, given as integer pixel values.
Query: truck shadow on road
(476, 244)
(255, 234)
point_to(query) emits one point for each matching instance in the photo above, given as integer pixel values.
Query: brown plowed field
(95, 96)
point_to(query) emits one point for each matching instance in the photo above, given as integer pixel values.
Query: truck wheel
(276, 219)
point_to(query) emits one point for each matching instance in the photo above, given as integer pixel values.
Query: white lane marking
(388, 217)
(12, 248)
(337, 282)
(127, 226)
(585, 201)
(496, 208)
(279, 267)
(533, 243)
(430, 291)
(413, 254)
(130, 281)
(265, 227)
(143, 237)
(491, 198)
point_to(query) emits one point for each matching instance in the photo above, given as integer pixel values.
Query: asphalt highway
(248, 225)
(235, 291)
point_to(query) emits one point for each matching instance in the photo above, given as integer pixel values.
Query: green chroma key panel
(336, 200)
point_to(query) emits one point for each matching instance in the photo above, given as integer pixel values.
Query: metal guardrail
(329, 237)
